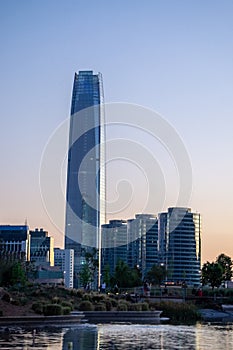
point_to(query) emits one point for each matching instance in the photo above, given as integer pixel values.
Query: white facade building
(64, 258)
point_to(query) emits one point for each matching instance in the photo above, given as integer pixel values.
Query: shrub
(113, 301)
(15, 302)
(179, 312)
(67, 304)
(98, 298)
(23, 301)
(85, 305)
(86, 297)
(229, 300)
(6, 297)
(37, 307)
(55, 300)
(122, 306)
(77, 292)
(135, 307)
(66, 310)
(52, 309)
(145, 307)
(100, 307)
(108, 304)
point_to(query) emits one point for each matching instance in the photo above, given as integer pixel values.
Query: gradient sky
(172, 56)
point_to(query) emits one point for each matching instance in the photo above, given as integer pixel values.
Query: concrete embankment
(41, 320)
(141, 317)
(210, 315)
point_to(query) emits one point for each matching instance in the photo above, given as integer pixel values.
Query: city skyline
(172, 57)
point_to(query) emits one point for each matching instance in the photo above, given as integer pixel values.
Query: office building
(41, 248)
(14, 242)
(180, 245)
(114, 244)
(85, 196)
(143, 242)
(64, 259)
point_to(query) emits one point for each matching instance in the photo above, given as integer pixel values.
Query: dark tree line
(216, 272)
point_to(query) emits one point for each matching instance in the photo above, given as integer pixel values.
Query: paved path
(210, 315)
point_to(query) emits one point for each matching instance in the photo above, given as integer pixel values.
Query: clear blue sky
(174, 56)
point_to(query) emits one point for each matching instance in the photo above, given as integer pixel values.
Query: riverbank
(41, 320)
(211, 315)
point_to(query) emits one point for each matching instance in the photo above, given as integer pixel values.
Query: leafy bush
(113, 301)
(15, 302)
(37, 307)
(100, 307)
(108, 304)
(52, 309)
(135, 307)
(85, 305)
(229, 293)
(66, 310)
(86, 296)
(67, 304)
(23, 301)
(55, 300)
(122, 306)
(6, 297)
(145, 307)
(77, 292)
(178, 312)
(98, 298)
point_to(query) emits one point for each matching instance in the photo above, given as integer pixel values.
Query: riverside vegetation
(47, 300)
(19, 297)
(32, 299)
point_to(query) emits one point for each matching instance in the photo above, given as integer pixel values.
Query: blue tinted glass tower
(180, 245)
(85, 195)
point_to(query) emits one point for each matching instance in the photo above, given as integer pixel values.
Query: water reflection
(119, 337)
(85, 337)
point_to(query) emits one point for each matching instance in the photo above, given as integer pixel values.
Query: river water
(120, 337)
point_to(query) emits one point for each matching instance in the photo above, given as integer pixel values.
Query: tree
(135, 277)
(226, 264)
(156, 274)
(18, 274)
(12, 272)
(125, 277)
(89, 268)
(121, 275)
(212, 273)
(85, 276)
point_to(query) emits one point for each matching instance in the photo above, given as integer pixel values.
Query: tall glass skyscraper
(85, 196)
(180, 245)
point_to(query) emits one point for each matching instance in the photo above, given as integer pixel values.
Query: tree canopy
(218, 271)
(156, 274)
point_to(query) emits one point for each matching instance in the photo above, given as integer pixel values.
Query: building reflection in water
(81, 338)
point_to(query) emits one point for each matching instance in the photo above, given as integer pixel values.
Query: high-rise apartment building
(143, 242)
(64, 259)
(85, 196)
(180, 245)
(115, 244)
(133, 241)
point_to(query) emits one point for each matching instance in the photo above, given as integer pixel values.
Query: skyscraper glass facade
(114, 238)
(180, 245)
(85, 196)
(143, 242)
